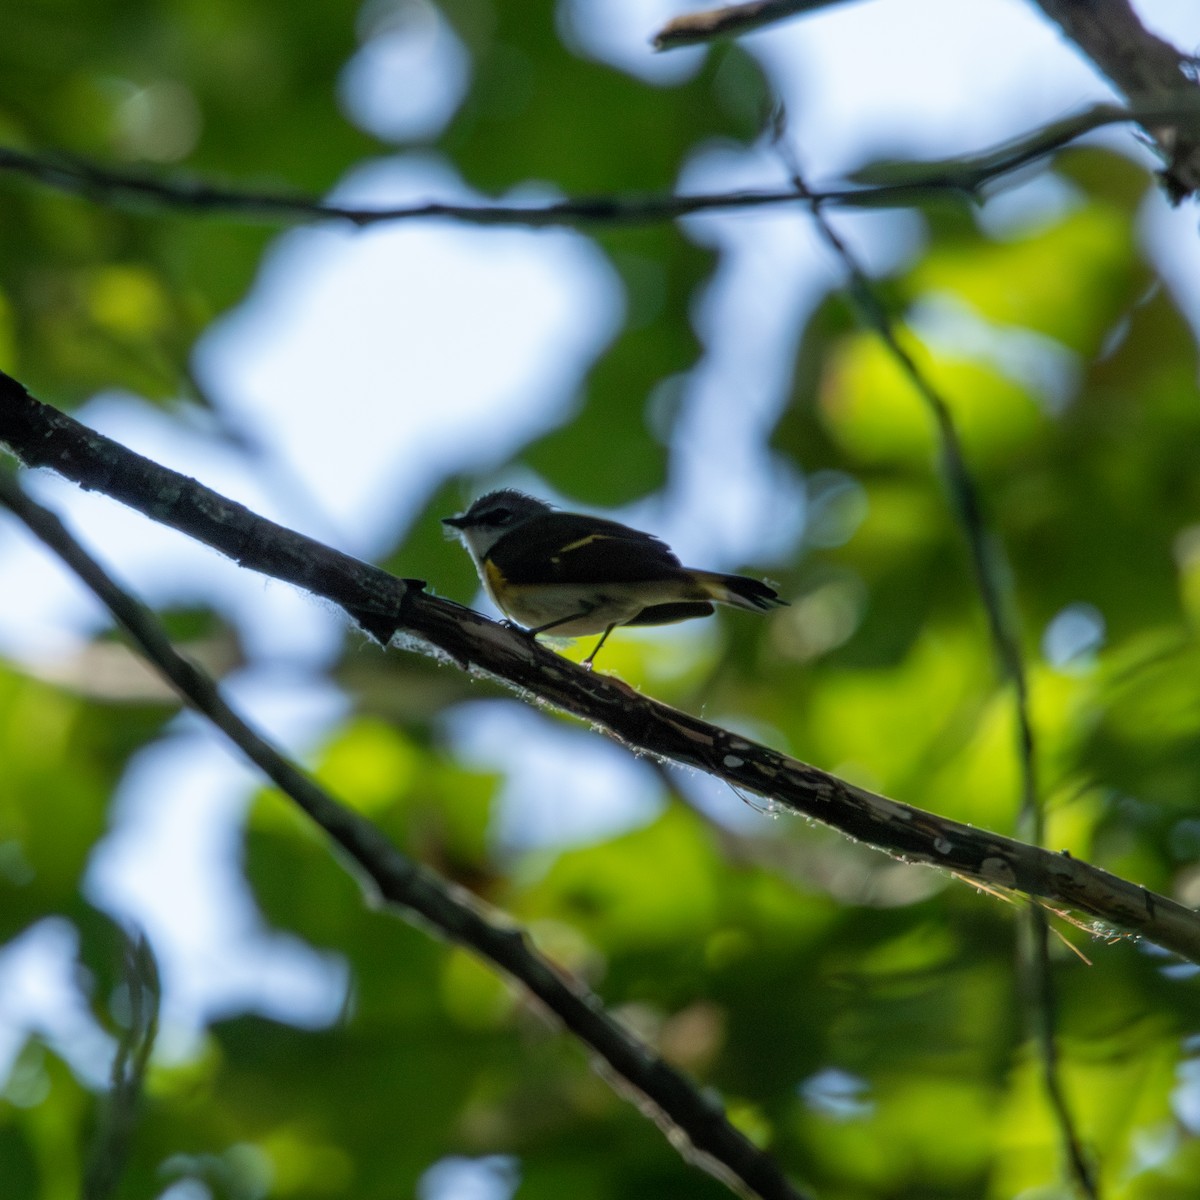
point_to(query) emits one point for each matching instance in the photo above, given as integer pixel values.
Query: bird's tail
(739, 591)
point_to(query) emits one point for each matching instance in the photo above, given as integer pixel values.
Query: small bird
(577, 575)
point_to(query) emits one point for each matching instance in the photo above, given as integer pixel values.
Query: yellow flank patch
(493, 577)
(583, 541)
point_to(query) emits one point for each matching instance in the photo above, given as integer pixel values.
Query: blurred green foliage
(860, 1018)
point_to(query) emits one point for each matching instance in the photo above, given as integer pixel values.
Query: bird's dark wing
(570, 548)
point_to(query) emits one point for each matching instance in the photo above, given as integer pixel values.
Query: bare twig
(732, 20)
(385, 605)
(132, 1056)
(1142, 65)
(983, 553)
(1041, 1006)
(964, 177)
(694, 1122)
(1034, 948)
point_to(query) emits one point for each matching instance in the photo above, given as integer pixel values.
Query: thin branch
(388, 607)
(1034, 948)
(980, 544)
(732, 20)
(1146, 68)
(1142, 65)
(1040, 1003)
(111, 1148)
(964, 177)
(693, 1121)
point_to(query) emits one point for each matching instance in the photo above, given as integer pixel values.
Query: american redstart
(575, 575)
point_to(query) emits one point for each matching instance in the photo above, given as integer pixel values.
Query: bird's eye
(500, 516)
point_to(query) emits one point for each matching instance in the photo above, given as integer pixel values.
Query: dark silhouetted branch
(1148, 70)
(400, 610)
(731, 20)
(908, 186)
(989, 576)
(694, 1122)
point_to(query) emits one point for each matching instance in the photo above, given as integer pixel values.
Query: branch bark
(695, 1123)
(1147, 69)
(399, 610)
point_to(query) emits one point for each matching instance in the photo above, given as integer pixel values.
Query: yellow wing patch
(584, 541)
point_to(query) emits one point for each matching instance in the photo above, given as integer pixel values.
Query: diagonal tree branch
(398, 609)
(694, 1123)
(1146, 68)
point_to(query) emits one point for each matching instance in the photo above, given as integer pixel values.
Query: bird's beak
(454, 522)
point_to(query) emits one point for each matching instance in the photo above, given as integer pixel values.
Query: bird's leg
(587, 662)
